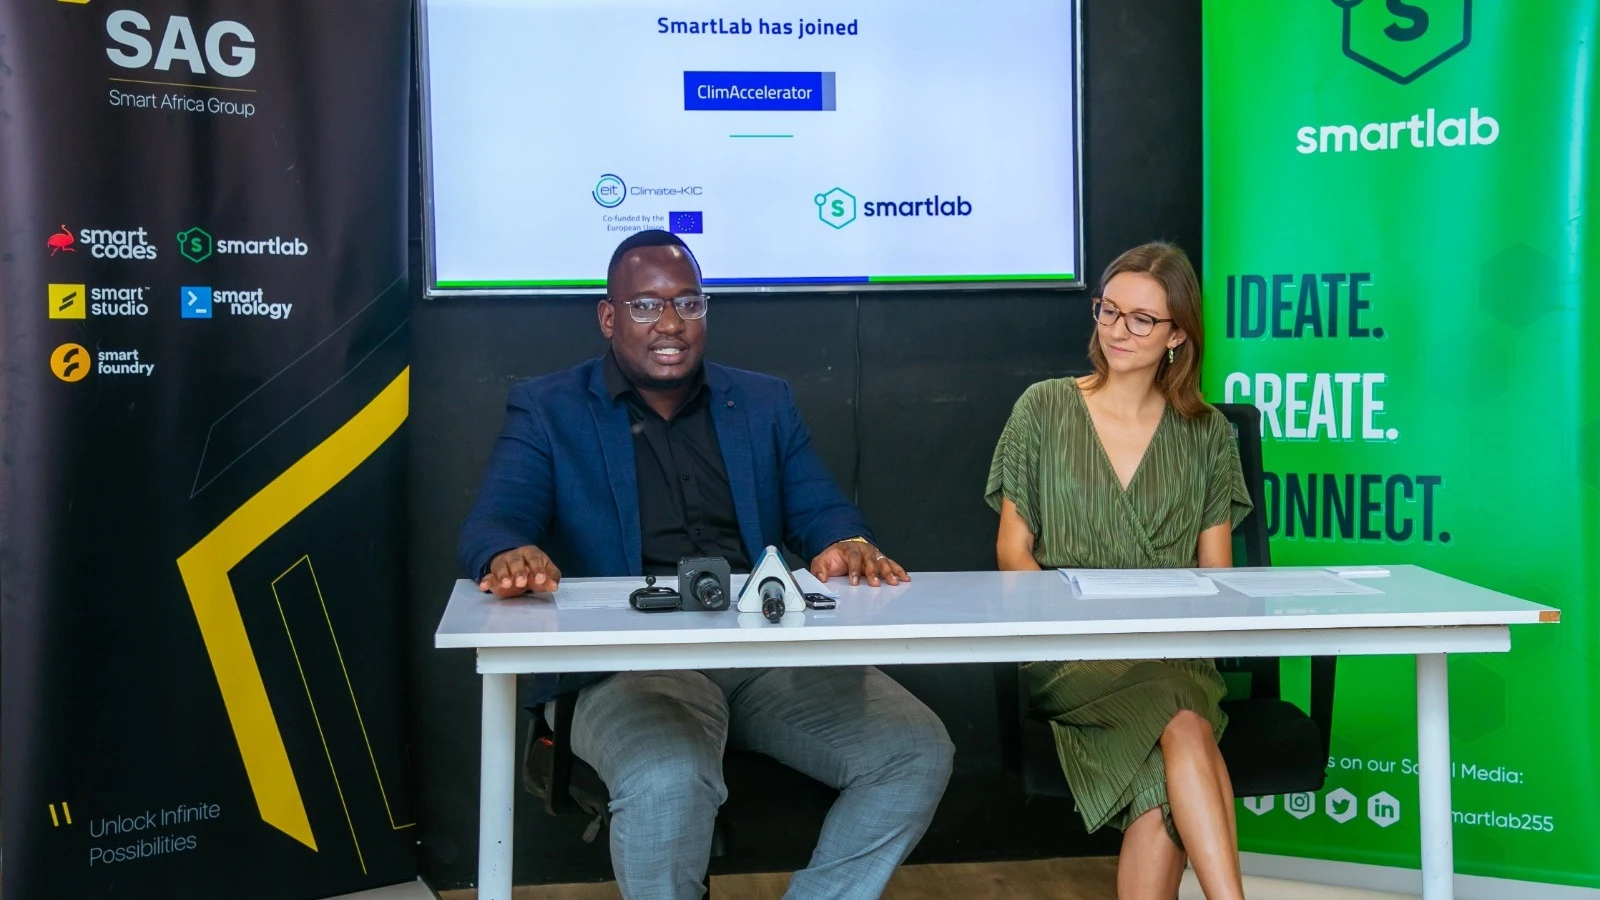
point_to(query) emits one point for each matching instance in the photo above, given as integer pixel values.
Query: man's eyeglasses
(648, 310)
(1139, 324)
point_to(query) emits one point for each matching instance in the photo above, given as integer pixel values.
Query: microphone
(772, 590)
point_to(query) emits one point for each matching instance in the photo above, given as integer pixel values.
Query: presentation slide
(815, 144)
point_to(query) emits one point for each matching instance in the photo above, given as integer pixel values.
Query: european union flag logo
(686, 222)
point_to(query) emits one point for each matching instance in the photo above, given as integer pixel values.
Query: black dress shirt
(685, 502)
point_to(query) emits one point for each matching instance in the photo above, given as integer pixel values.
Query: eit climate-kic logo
(1403, 40)
(610, 191)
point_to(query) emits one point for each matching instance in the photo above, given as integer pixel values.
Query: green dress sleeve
(1227, 500)
(1015, 470)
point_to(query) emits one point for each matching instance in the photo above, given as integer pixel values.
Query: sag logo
(836, 208)
(67, 301)
(229, 47)
(70, 362)
(1403, 40)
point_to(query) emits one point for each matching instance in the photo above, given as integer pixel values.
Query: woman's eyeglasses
(1139, 324)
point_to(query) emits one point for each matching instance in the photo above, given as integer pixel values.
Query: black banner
(203, 266)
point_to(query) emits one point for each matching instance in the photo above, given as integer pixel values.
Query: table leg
(496, 786)
(1433, 755)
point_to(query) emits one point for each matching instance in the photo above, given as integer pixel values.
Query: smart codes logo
(610, 191)
(1403, 40)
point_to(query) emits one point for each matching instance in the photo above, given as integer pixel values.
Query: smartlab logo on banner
(1403, 40)
(837, 207)
(197, 245)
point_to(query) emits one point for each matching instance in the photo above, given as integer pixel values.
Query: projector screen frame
(431, 289)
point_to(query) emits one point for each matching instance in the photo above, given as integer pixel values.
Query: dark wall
(905, 394)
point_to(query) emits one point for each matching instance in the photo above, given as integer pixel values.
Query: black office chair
(1270, 745)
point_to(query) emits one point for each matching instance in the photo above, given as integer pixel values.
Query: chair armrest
(1323, 669)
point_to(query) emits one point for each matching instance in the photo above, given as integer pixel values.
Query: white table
(985, 617)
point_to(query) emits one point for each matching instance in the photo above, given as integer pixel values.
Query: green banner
(1402, 270)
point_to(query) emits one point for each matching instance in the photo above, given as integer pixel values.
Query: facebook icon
(195, 302)
(686, 222)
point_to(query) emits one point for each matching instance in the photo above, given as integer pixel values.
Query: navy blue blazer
(562, 478)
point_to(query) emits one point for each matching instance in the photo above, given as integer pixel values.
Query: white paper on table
(1359, 571)
(1097, 584)
(1291, 584)
(596, 593)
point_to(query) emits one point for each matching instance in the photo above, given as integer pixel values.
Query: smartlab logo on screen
(837, 207)
(1403, 40)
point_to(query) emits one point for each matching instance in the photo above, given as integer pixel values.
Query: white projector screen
(817, 145)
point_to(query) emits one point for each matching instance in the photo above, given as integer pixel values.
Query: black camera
(704, 583)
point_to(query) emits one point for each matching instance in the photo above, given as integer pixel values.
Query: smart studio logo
(610, 191)
(1403, 40)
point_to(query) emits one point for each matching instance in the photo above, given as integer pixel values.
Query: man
(625, 464)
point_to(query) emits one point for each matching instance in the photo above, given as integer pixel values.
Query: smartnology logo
(196, 245)
(201, 302)
(104, 243)
(611, 190)
(1403, 41)
(837, 207)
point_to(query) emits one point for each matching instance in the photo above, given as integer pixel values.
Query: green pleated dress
(1108, 715)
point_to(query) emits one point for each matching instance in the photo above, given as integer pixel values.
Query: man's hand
(858, 560)
(516, 572)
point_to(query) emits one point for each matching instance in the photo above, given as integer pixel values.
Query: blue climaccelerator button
(794, 91)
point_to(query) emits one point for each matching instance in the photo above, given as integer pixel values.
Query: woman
(1129, 468)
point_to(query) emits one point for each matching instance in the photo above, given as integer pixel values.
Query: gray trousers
(657, 739)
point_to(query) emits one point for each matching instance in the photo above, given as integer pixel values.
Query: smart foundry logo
(1403, 40)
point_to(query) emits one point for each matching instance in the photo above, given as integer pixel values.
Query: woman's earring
(1169, 356)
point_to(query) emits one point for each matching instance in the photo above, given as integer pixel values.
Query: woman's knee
(1187, 726)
